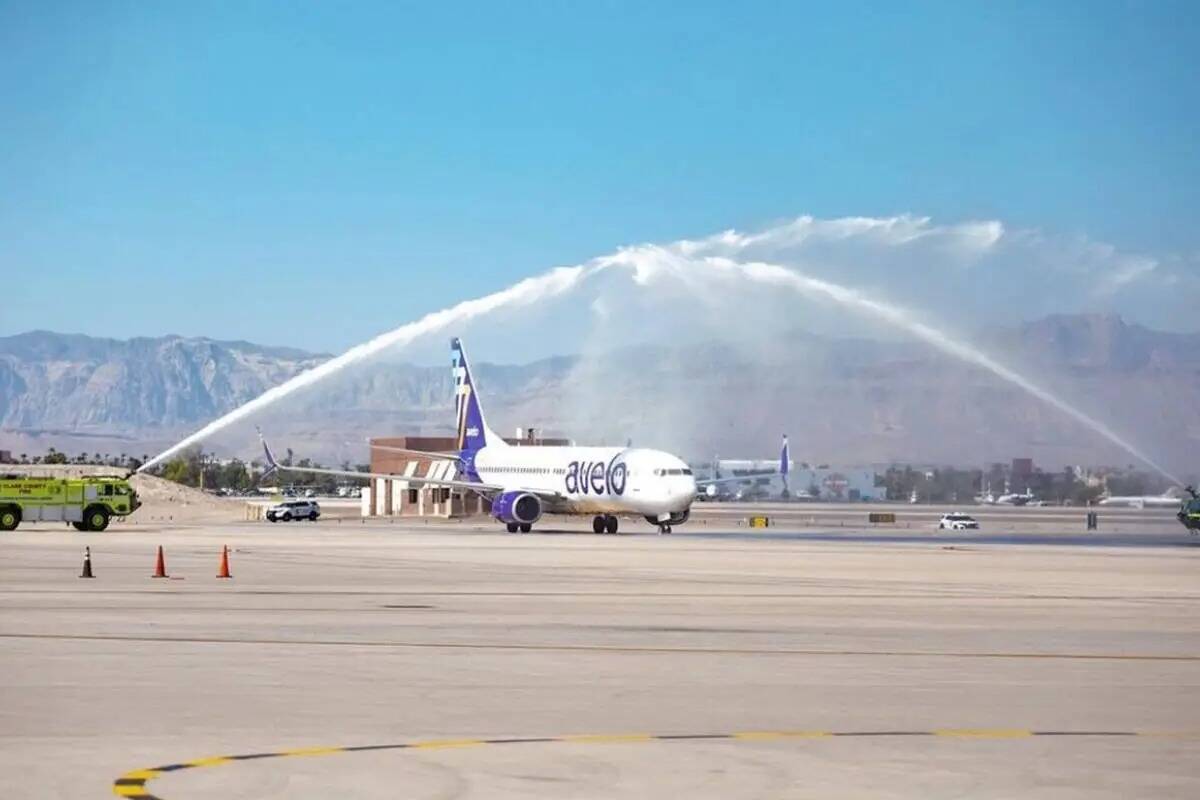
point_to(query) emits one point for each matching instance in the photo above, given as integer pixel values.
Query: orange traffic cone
(160, 568)
(224, 572)
(87, 563)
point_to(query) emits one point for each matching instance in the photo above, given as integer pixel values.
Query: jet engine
(521, 508)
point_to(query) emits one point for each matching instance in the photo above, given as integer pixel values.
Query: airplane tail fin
(785, 462)
(471, 429)
(272, 465)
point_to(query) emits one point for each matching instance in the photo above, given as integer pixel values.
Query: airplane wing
(274, 466)
(731, 478)
(420, 453)
(485, 489)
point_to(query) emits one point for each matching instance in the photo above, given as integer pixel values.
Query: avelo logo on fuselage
(595, 477)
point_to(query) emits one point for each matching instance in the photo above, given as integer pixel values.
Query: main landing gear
(664, 528)
(605, 523)
(513, 527)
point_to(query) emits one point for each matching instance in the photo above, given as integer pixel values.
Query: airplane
(1014, 499)
(1009, 498)
(523, 483)
(749, 473)
(1166, 500)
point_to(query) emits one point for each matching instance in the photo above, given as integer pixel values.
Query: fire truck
(1189, 512)
(88, 503)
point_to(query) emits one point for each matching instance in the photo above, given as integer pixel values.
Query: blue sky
(184, 167)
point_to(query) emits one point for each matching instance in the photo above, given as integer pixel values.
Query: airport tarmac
(393, 659)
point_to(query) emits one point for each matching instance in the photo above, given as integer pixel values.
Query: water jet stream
(552, 283)
(898, 317)
(646, 263)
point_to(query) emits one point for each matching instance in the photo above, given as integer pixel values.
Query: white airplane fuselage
(1159, 501)
(591, 480)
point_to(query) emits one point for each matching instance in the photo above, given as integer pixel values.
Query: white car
(294, 509)
(957, 522)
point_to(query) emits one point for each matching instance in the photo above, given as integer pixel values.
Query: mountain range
(842, 400)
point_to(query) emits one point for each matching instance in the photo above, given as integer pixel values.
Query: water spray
(647, 263)
(901, 318)
(530, 290)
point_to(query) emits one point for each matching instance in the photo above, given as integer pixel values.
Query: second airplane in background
(523, 483)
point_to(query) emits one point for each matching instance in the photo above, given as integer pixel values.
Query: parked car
(294, 509)
(957, 522)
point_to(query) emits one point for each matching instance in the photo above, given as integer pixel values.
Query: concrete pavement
(942, 660)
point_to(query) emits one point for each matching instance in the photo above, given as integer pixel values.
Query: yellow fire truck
(88, 503)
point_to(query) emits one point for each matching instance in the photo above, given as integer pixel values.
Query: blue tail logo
(785, 463)
(472, 431)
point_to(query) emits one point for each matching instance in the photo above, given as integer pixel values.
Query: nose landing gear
(664, 524)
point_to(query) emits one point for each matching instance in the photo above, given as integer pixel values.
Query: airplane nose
(685, 491)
